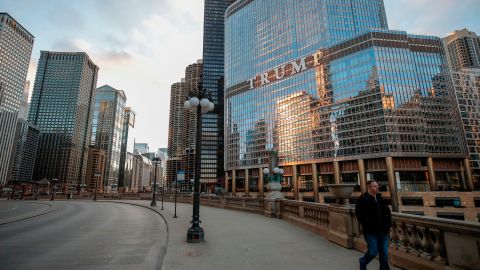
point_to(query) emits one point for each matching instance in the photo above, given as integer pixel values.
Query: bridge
(283, 234)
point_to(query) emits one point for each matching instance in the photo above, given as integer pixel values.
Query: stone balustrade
(434, 243)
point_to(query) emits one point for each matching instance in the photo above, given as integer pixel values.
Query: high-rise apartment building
(62, 108)
(463, 49)
(213, 58)
(467, 92)
(107, 130)
(15, 51)
(176, 121)
(340, 99)
(183, 127)
(128, 144)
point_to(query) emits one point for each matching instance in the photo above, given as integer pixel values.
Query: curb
(16, 219)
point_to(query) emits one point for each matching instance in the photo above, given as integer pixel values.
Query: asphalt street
(11, 209)
(81, 235)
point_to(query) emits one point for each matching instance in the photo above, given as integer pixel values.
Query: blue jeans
(376, 243)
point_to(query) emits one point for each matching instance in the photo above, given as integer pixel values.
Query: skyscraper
(15, 51)
(340, 98)
(62, 108)
(141, 148)
(24, 152)
(467, 92)
(128, 141)
(213, 59)
(107, 130)
(183, 126)
(23, 110)
(463, 49)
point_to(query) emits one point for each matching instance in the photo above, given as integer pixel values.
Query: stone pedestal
(272, 207)
(340, 229)
(274, 190)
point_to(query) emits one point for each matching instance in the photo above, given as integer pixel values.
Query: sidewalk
(238, 240)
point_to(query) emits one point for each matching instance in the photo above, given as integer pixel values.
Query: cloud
(433, 17)
(72, 45)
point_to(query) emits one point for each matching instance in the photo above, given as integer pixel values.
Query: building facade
(94, 177)
(337, 104)
(463, 49)
(107, 130)
(141, 148)
(24, 152)
(23, 110)
(128, 141)
(62, 108)
(466, 83)
(183, 128)
(15, 51)
(213, 77)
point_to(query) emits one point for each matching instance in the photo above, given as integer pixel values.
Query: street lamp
(54, 183)
(163, 190)
(97, 175)
(155, 162)
(274, 177)
(200, 103)
(36, 184)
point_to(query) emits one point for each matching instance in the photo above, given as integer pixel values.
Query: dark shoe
(363, 265)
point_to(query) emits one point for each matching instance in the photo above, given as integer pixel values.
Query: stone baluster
(438, 246)
(404, 243)
(394, 237)
(417, 245)
(427, 245)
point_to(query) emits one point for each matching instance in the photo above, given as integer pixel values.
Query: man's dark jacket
(374, 215)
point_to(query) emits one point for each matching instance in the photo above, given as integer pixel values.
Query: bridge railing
(435, 243)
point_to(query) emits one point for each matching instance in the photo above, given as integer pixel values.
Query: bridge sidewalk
(238, 240)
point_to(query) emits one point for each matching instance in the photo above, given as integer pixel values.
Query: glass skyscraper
(213, 55)
(107, 130)
(339, 97)
(128, 144)
(15, 51)
(24, 152)
(62, 108)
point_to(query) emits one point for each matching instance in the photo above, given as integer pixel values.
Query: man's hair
(369, 182)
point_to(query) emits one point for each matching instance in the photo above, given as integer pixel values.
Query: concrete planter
(342, 192)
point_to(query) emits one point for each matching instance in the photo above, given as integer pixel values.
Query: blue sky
(143, 46)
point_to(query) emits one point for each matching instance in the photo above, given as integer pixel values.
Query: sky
(144, 46)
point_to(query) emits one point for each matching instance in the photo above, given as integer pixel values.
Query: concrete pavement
(238, 240)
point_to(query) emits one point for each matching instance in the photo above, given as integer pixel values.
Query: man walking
(376, 219)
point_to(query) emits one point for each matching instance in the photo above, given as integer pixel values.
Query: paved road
(12, 209)
(82, 235)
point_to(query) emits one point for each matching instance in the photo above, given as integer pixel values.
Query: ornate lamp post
(54, 183)
(36, 184)
(274, 181)
(163, 190)
(155, 162)
(274, 176)
(197, 102)
(97, 175)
